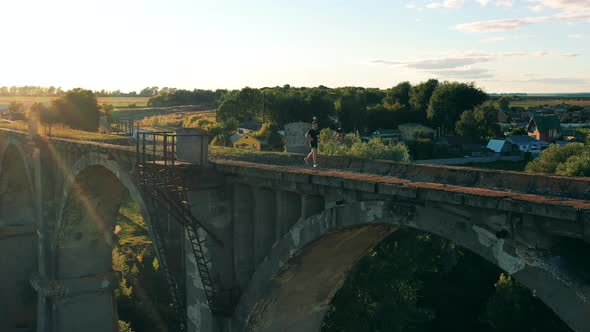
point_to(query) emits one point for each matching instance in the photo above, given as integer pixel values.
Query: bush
(556, 160)
(422, 148)
(352, 146)
(269, 134)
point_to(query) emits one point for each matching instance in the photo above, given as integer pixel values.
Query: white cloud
(461, 3)
(492, 25)
(510, 24)
(567, 5)
(537, 8)
(492, 40)
(460, 64)
(463, 73)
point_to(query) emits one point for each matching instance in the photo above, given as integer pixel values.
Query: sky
(530, 46)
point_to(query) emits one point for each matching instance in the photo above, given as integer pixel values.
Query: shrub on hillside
(352, 146)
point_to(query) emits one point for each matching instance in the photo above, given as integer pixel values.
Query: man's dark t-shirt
(313, 133)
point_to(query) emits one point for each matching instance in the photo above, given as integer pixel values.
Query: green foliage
(174, 97)
(352, 146)
(450, 99)
(222, 132)
(420, 97)
(398, 97)
(512, 308)
(142, 296)
(417, 282)
(383, 292)
(242, 105)
(467, 125)
(480, 123)
(269, 134)
(124, 326)
(351, 107)
(503, 103)
(78, 109)
(422, 148)
(16, 107)
(570, 159)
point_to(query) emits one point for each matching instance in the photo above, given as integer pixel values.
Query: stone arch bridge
(285, 237)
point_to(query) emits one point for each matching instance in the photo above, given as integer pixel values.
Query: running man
(312, 137)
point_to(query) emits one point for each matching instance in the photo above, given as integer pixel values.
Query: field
(551, 102)
(63, 132)
(144, 112)
(115, 101)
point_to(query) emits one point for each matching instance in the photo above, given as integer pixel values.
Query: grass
(60, 131)
(552, 102)
(518, 166)
(145, 112)
(133, 230)
(115, 101)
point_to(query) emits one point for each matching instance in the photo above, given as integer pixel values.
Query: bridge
(257, 243)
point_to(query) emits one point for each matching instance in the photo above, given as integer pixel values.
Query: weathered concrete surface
(276, 223)
(17, 240)
(299, 296)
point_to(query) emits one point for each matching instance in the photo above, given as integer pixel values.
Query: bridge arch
(84, 239)
(18, 241)
(291, 289)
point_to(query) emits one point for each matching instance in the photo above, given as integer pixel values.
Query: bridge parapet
(529, 183)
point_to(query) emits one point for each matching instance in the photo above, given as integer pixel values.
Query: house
(461, 145)
(387, 134)
(248, 142)
(501, 146)
(503, 117)
(413, 131)
(248, 127)
(544, 127)
(573, 135)
(527, 143)
(233, 138)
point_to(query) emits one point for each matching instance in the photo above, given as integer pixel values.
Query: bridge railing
(167, 148)
(126, 127)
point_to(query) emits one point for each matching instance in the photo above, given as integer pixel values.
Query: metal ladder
(167, 192)
(173, 287)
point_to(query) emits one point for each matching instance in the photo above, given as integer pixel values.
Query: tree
(486, 115)
(555, 160)
(398, 95)
(351, 107)
(420, 96)
(513, 308)
(15, 107)
(467, 126)
(450, 99)
(480, 123)
(504, 103)
(243, 105)
(78, 109)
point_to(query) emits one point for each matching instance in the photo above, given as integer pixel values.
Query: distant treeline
(433, 103)
(176, 97)
(41, 91)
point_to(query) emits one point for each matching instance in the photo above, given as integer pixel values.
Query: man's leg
(306, 159)
(313, 154)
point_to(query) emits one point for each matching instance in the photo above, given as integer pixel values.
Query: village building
(413, 131)
(501, 146)
(248, 142)
(527, 143)
(544, 128)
